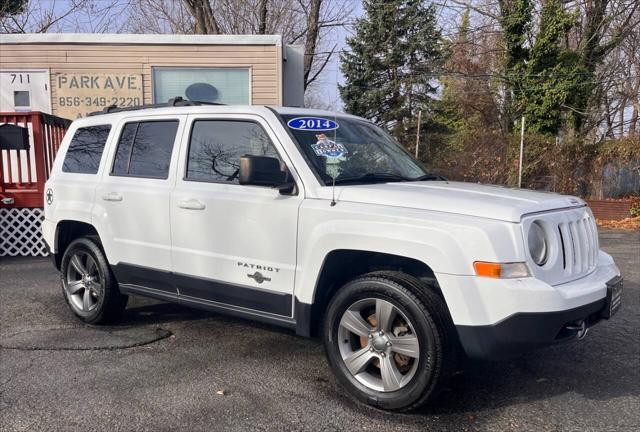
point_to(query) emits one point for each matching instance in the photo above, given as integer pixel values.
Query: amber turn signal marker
(487, 269)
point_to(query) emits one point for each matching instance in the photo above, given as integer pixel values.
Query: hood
(492, 202)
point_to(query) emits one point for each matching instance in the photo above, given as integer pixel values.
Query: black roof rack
(173, 102)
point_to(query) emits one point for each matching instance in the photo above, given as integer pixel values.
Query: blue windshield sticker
(312, 124)
(327, 148)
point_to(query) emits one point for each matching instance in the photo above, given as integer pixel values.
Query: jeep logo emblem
(257, 276)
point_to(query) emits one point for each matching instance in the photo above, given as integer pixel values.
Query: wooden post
(521, 153)
(38, 151)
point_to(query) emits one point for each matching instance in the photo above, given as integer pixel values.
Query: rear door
(233, 244)
(132, 202)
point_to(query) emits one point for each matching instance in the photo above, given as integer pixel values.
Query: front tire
(88, 286)
(390, 341)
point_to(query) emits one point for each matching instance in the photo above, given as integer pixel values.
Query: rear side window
(144, 149)
(85, 150)
(216, 146)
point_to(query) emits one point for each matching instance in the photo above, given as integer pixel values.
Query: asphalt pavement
(169, 368)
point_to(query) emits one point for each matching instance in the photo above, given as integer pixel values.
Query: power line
(436, 75)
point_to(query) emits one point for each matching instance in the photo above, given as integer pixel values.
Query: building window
(144, 149)
(21, 99)
(222, 85)
(85, 150)
(216, 146)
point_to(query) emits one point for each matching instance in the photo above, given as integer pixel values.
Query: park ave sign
(77, 94)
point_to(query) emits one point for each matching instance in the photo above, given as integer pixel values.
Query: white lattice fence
(20, 232)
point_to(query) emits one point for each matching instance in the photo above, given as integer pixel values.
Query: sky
(332, 76)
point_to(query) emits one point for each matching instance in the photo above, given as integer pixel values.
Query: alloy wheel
(378, 345)
(83, 283)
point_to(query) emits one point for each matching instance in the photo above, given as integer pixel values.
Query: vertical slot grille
(564, 252)
(574, 247)
(579, 242)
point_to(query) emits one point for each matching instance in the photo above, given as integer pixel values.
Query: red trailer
(23, 173)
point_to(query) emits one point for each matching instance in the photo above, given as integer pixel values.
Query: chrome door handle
(112, 196)
(7, 201)
(191, 204)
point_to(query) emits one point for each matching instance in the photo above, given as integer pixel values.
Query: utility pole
(521, 153)
(418, 133)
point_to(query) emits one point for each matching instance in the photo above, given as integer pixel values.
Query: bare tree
(95, 16)
(160, 16)
(603, 39)
(308, 22)
(620, 87)
(262, 12)
(311, 40)
(205, 21)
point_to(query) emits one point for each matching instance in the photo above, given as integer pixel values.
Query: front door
(232, 245)
(25, 90)
(132, 201)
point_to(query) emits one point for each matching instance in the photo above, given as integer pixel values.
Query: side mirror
(261, 171)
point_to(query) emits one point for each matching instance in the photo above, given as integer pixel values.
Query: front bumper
(500, 318)
(525, 332)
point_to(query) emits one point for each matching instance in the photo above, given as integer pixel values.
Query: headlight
(537, 241)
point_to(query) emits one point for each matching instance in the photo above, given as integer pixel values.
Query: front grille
(579, 242)
(572, 238)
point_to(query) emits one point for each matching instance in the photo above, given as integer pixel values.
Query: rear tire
(390, 340)
(88, 285)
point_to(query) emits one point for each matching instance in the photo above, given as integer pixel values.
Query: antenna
(333, 192)
(335, 139)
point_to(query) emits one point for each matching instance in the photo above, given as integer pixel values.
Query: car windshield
(352, 151)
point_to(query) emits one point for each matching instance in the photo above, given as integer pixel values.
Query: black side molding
(208, 290)
(237, 295)
(144, 276)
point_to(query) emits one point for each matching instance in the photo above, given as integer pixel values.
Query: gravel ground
(162, 370)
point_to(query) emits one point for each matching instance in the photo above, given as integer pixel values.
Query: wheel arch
(340, 266)
(66, 232)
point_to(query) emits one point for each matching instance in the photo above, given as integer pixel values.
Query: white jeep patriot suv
(321, 223)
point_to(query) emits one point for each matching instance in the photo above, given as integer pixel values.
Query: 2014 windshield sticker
(312, 124)
(327, 148)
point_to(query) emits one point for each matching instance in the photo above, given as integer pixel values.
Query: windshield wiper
(371, 178)
(428, 177)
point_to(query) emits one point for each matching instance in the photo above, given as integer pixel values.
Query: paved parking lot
(162, 369)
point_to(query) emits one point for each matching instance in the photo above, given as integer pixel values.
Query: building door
(25, 90)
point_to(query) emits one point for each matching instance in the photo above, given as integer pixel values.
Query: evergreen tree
(553, 78)
(390, 70)
(550, 81)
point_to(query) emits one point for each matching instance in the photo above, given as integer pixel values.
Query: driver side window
(215, 148)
